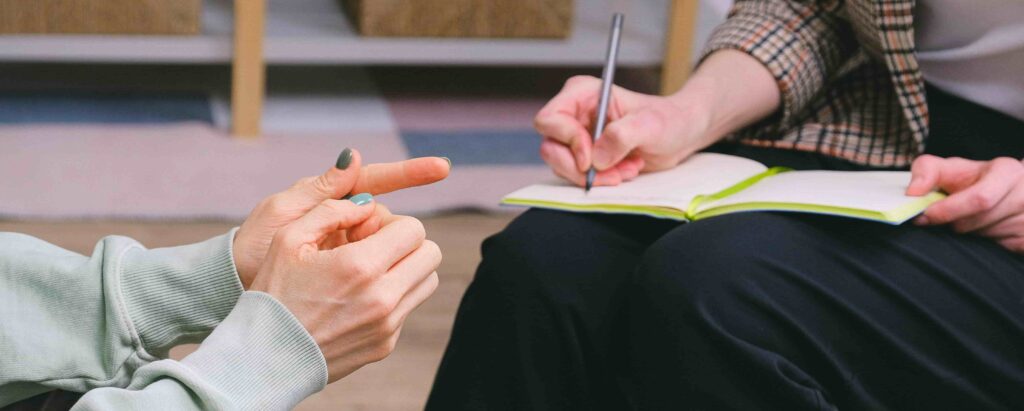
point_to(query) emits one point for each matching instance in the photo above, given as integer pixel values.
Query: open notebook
(710, 184)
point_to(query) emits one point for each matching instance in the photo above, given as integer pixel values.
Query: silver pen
(607, 79)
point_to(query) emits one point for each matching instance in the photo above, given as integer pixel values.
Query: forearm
(77, 323)
(259, 358)
(768, 62)
(733, 90)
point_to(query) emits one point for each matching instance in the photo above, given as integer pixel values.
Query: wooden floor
(400, 382)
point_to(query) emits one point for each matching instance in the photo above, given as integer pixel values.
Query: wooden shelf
(315, 32)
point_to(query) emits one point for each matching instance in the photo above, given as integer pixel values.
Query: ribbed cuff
(177, 295)
(261, 357)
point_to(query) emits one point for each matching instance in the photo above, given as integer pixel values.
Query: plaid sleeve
(802, 43)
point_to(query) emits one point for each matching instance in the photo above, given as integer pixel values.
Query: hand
(985, 197)
(643, 133)
(728, 91)
(253, 239)
(352, 299)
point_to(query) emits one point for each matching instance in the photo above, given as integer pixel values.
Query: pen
(607, 79)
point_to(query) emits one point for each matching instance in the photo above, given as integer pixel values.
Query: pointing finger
(387, 177)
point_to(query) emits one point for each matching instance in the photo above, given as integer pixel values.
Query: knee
(714, 265)
(530, 257)
(723, 300)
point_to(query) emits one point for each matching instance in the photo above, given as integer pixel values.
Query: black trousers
(748, 311)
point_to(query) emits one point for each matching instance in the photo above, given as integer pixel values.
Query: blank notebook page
(703, 173)
(865, 190)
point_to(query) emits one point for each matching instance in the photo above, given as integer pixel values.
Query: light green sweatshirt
(104, 324)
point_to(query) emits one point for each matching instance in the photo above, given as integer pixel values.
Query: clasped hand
(350, 273)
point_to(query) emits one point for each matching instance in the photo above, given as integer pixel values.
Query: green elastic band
(691, 211)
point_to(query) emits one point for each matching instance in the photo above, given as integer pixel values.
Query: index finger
(395, 240)
(326, 218)
(567, 116)
(569, 111)
(568, 131)
(381, 217)
(576, 99)
(387, 177)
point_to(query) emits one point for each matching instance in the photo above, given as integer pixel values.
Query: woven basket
(462, 18)
(100, 16)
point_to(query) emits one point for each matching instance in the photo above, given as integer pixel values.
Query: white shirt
(974, 49)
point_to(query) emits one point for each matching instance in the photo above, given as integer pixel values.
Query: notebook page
(879, 191)
(702, 173)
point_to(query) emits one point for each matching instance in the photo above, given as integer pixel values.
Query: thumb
(618, 140)
(924, 175)
(332, 184)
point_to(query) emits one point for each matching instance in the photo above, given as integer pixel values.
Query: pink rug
(193, 171)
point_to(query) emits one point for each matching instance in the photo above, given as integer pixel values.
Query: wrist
(244, 264)
(693, 113)
(732, 90)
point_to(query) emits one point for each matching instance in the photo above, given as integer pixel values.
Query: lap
(775, 250)
(772, 249)
(859, 314)
(864, 314)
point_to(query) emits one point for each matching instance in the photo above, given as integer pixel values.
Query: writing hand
(644, 133)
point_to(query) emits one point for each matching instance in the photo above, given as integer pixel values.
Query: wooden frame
(248, 70)
(679, 45)
(248, 81)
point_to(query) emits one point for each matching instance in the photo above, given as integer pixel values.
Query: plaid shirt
(847, 72)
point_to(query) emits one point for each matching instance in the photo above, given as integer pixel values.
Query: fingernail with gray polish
(361, 199)
(344, 159)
